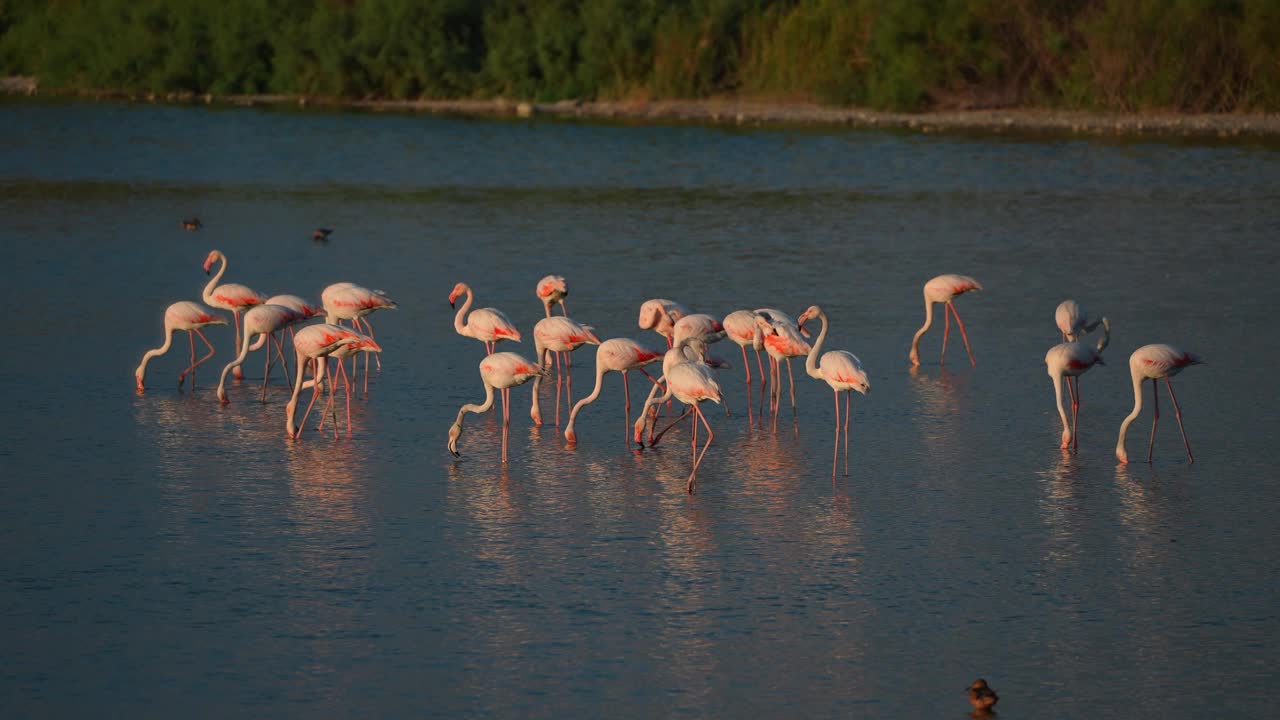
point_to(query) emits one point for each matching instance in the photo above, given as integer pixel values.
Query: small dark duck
(321, 234)
(192, 224)
(982, 698)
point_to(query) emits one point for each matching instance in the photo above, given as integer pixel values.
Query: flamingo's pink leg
(1075, 405)
(346, 384)
(209, 345)
(1155, 420)
(626, 413)
(1177, 412)
(506, 420)
(315, 392)
(1075, 414)
(963, 335)
(190, 368)
(699, 415)
(847, 394)
(654, 438)
(835, 446)
(377, 359)
(946, 333)
(792, 379)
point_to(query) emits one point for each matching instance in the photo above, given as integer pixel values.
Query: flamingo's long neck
(544, 362)
(141, 372)
(811, 362)
(1062, 413)
(213, 281)
(239, 360)
(458, 325)
(595, 393)
(473, 408)
(1121, 454)
(928, 320)
(297, 388)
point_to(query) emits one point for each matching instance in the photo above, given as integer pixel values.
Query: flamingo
(487, 325)
(944, 289)
(660, 316)
(1073, 322)
(741, 327)
(698, 325)
(783, 340)
(614, 355)
(1155, 362)
(843, 372)
(182, 315)
(312, 343)
(303, 311)
(341, 353)
(692, 383)
(232, 296)
(551, 290)
(1070, 360)
(688, 349)
(557, 334)
(348, 301)
(502, 371)
(262, 320)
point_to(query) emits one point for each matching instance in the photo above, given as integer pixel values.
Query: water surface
(165, 554)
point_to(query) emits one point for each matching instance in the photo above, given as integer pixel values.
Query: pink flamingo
(783, 340)
(1155, 362)
(1070, 360)
(692, 383)
(843, 372)
(551, 290)
(348, 301)
(502, 371)
(660, 316)
(304, 311)
(262, 320)
(944, 289)
(1072, 321)
(231, 296)
(341, 353)
(698, 325)
(615, 355)
(741, 327)
(557, 334)
(182, 315)
(312, 343)
(488, 325)
(686, 350)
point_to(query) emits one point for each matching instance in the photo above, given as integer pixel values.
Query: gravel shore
(763, 113)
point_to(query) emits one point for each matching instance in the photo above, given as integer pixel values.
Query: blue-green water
(167, 555)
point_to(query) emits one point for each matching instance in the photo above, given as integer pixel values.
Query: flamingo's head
(214, 256)
(455, 432)
(806, 316)
(137, 376)
(458, 289)
(536, 416)
(1122, 456)
(914, 357)
(570, 436)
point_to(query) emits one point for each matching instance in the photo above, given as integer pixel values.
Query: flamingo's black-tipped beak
(450, 304)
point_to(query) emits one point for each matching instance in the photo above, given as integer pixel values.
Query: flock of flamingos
(688, 371)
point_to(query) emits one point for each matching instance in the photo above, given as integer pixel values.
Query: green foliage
(1188, 55)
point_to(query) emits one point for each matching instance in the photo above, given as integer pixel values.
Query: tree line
(1126, 55)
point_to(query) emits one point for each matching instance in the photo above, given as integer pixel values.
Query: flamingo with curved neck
(944, 289)
(1068, 361)
(501, 371)
(1155, 362)
(614, 355)
(182, 315)
(231, 296)
(488, 325)
(842, 371)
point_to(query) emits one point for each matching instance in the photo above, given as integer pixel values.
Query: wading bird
(1155, 362)
(944, 289)
(1072, 321)
(843, 372)
(264, 320)
(558, 335)
(231, 296)
(313, 343)
(552, 290)
(182, 315)
(615, 355)
(488, 325)
(500, 371)
(1068, 361)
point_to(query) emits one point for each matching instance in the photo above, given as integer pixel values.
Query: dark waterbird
(982, 698)
(321, 234)
(192, 224)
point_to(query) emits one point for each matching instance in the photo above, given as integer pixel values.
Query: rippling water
(165, 554)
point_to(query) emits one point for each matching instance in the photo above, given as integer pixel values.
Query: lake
(168, 555)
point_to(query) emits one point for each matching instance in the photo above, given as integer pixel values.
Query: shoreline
(746, 112)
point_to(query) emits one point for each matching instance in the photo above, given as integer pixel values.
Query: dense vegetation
(1188, 55)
